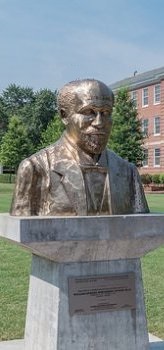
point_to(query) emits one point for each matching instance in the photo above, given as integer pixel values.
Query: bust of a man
(77, 175)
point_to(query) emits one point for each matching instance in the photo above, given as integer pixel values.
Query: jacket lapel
(120, 184)
(73, 184)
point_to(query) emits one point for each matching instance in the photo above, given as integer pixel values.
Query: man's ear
(64, 117)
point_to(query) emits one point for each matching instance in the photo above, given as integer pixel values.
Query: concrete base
(83, 246)
(19, 345)
(49, 325)
(85, 238)
(156, 346)
(12, 345)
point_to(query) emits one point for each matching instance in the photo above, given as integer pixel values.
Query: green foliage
(126, 138)
(7, 178)
(161, 178)
(41, 113)
(12, 101)
(146, 179)
(15, 144)
(34, 109)
(16, 97)
(4, 119)
(52, 133)
(156, 178)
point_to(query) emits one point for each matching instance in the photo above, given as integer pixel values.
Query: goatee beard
(93, 144)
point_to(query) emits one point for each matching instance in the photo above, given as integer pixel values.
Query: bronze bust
(77, 175)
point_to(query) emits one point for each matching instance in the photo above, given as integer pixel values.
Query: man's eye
(105, 113)
(88, 112)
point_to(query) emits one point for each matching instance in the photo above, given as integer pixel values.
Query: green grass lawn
(6, 191)
(153, 277)
(156, 202)
(14, 280)
(14, 277)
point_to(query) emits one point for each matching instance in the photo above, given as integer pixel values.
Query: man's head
(85, 107)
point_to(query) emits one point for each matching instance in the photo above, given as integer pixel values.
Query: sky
(47, 43)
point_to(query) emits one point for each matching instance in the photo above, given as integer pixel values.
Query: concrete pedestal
(84, 246)
(50, 326)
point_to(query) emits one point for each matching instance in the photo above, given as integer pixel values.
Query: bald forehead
(82, 93)
(93, 91)
(92, 86)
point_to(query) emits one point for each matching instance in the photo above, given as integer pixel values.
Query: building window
(145, 160)
(157, 93)
(145, 127)
(156, 125)
(144, 97)
(157, 157)
(134, 97)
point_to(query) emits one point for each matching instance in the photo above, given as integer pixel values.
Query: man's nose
(98, 121)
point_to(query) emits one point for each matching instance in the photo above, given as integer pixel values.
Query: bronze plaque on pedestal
(91, 294)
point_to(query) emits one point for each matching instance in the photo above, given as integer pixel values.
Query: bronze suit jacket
(51, 182)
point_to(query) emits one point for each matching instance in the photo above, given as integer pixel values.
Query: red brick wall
(152, 141)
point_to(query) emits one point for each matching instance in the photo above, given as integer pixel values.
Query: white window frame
(155, 157)
(156, 100)
(143, 97)
(143, 126)
(155, 119)
(134, 97)
(146, 158)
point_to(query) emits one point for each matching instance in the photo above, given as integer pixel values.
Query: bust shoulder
(114, 158)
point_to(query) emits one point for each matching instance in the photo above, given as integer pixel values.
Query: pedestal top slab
(86, 238)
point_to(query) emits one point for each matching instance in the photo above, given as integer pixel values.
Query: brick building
(147, 90)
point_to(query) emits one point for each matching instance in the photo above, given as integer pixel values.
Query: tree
(4, 119)
(41, 113)
(12, 102)
(52, 133)
(126, 138)
(15, 144)
(15, 97)
(34, 109)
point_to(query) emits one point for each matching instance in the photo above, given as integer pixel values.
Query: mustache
(95, 132)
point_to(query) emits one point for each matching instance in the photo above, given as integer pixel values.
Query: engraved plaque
(102, 293)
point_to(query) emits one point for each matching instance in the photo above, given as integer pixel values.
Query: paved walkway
(155, 344)
(12, 345)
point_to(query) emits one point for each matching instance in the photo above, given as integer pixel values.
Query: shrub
(146, 179)
(156, 178)
(161, 177)
(7, 178)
